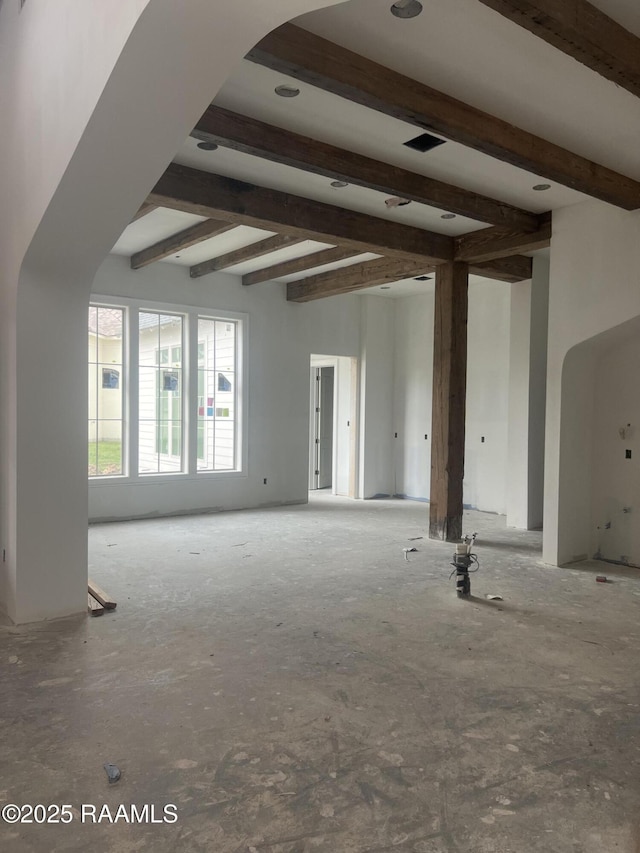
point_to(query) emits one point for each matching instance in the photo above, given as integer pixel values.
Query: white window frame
(124, 383)
(134, 321)
(191, 315)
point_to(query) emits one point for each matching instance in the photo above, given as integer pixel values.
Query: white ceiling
(151, 228)
(315, 113)
(255, 170)
(458, 46)
(467, 50)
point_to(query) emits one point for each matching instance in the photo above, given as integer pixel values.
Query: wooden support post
(449, 398)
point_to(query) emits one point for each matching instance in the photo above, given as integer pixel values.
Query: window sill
(161, 479)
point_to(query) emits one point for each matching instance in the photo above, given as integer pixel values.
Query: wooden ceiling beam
(583, 32)
(511, 270)
(207, 194)
(300, 54)
(385, 271)
(354, 277)
(246, 253)
(307, 262)
(489, 244)
(177, 242)
(250, 136)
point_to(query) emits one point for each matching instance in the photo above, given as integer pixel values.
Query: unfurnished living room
(319, 451)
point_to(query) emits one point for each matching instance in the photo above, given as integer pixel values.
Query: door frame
(351, 448)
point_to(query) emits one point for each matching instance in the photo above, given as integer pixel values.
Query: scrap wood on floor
(95, 608)
(99, 600)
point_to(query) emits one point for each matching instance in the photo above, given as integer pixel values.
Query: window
(160, 385)
(106, 388)
(183, 395)
(216, 395)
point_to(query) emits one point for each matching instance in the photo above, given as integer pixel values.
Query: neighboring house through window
(168, 421)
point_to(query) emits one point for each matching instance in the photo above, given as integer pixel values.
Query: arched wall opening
(598, 461)
(593, 293)
(90, 170)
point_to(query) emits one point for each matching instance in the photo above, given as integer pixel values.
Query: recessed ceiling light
(339, 184)
(539, 188)
(287, 91)
(423, 278)
(207, 146)
(385, 287)
(396, 201)
(406, 8)
(448, 216)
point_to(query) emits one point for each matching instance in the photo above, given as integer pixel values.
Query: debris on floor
(408, 551)
(113, 772)
(101, 596)
(413, 538)
(601, 579)
(94, 606)
(495, 597)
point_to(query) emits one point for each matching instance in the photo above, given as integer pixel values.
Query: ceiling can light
(406, 8)
(448, 216)
(207, 146)
(539, 188)
(385, 287)
(339, 184)
(286, 91)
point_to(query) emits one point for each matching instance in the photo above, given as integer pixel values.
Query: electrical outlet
(627, 454)
(426, 436)
(264, 481)
(482, 439)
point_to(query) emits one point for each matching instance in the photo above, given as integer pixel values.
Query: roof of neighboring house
(108, 322)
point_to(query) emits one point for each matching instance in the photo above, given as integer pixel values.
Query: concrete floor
(293, 685)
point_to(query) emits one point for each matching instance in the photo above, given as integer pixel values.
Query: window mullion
(134, 390)
(190, 384)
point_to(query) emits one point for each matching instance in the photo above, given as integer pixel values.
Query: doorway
(321, 456)
(333, 434)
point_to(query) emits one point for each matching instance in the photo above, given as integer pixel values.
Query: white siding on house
(160, 414)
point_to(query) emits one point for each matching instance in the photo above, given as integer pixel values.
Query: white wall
(616, 479)
(527, 398)
(487, 395)
(280, 339)
(485, 466)
(376, 396)
(413, 394)
(594, 289)
(346, 425)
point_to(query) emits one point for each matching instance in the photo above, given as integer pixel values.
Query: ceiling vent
(424, 142)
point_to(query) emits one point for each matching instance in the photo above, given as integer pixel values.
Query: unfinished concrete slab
(292, 684)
